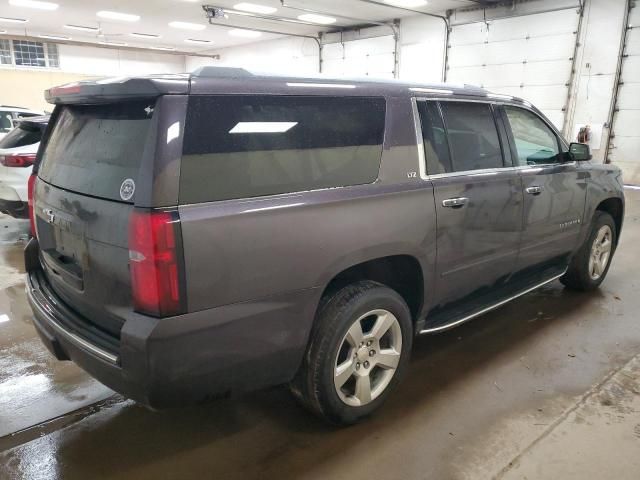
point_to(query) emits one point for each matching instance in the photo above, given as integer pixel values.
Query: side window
(6, 122)
(434, 139)
(254, 145)
(473, 137)
(535, 142)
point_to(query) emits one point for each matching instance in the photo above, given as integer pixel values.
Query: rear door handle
(535, 190)
(457, 202)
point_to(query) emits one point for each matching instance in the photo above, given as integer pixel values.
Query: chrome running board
(488, 309)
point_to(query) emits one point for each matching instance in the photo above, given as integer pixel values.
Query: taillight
(18, 160)
(31, 185)
(154, 259)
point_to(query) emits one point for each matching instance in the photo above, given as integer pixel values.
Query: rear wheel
(358, 352)
(591, 263)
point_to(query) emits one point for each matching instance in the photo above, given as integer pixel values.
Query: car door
(478, 198)
(554, 191)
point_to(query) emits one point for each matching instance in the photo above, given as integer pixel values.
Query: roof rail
(221, 72)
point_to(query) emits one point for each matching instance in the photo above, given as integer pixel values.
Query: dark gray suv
(202, 235)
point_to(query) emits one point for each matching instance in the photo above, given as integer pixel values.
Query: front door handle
(535, 190)
(457, 202)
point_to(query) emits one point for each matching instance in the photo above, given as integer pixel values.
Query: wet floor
(475, 399)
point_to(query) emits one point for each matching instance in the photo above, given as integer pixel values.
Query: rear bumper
(185, 359)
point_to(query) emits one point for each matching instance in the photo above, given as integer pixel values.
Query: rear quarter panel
(240, 250)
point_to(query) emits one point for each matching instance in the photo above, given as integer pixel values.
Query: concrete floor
(546, 387)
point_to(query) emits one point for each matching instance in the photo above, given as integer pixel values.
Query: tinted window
(248, 146)
(21, 136)
(535, 142)
(436, 148)
(473, 137)
(94, 148)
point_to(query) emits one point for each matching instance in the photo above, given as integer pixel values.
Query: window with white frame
(5, 52)
(27, 53)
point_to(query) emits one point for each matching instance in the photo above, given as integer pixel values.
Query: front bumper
(179, 360)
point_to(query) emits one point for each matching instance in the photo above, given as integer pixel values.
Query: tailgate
(83, 199)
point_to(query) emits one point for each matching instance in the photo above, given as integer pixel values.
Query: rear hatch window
(25, 134)
(97, 149)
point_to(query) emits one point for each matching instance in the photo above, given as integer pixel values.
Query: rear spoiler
(119, 88)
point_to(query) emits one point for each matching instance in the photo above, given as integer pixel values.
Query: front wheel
(591, 263)
(358, 352)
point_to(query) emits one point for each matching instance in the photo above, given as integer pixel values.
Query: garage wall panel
(528, 56)
(360, 58)
(625, 144)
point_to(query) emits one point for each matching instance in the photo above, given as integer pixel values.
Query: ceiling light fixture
(13, 20)
(313, 18)
(162, 48)
(196, 40)
(55, 37)
(253, 8)
(187, 26)
(34, 4)
(144, 35)
(241, 32)
(82, 28)
(407, 3)
(125, 17)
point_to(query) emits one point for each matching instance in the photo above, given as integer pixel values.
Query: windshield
(22, 136)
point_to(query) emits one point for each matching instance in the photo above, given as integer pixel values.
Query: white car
(17, 153)
(10, 116)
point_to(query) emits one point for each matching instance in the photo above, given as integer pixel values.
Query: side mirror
(580, 152)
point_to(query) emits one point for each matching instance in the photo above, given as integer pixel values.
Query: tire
(584, 274)
(335, 343)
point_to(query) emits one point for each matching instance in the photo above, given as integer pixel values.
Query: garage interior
(545, 387)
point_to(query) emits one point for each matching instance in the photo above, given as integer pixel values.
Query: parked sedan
(17, 153)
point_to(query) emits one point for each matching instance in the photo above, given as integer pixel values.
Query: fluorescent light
(34, 4)
(253, 8)
(55, 37)
(115, 44)
(320, 85)
(2, 32)
(162, 48)
(82, 28)
(13, 20)
(187, 25)
(313, 18)
(240, 32)
(263, 127)
(144, 35)
(4, 318)
(431, 90)
(196, 40)
(407, 3)
(125, 17)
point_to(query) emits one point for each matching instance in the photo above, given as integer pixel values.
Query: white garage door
(528, 56)
(360, 58)
(625, 145)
